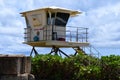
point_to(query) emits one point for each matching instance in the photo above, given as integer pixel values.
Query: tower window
(58, 19)
(61, 19)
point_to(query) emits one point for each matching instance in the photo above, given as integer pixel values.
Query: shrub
(110, 67)
(79, 67)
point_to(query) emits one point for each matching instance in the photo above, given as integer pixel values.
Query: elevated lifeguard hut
(46, 27)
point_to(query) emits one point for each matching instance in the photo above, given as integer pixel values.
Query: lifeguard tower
(46, 27)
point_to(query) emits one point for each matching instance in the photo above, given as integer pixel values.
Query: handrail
(99, 54)
(93, 51)
(77, 27)
(72, 34)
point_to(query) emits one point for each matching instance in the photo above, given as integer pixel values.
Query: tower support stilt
(33, 50)
(57, 51)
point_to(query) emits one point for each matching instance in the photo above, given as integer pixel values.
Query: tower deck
(59, 44)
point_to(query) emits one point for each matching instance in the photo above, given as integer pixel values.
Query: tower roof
(56, 9)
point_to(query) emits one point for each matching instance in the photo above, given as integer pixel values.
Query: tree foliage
(110, 67)
(80, 67)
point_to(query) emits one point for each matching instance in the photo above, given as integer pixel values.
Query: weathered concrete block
(15, 67)
(8, 77)
(18, 77)
(14, 64)
(27, 76)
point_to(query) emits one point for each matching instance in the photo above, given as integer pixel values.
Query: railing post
(27, 36)
(70, 36)
(77, 35)
(86, 34)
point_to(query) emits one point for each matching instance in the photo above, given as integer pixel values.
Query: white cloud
(103, 24)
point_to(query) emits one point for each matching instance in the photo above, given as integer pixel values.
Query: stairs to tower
(79, 50)
(89, 50)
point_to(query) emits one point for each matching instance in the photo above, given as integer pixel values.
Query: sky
(102, 17)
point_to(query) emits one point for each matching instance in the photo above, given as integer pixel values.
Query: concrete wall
(15, 67)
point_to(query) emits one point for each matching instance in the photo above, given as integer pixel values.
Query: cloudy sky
(102, 17)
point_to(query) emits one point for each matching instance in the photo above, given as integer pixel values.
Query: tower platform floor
(58, 44)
